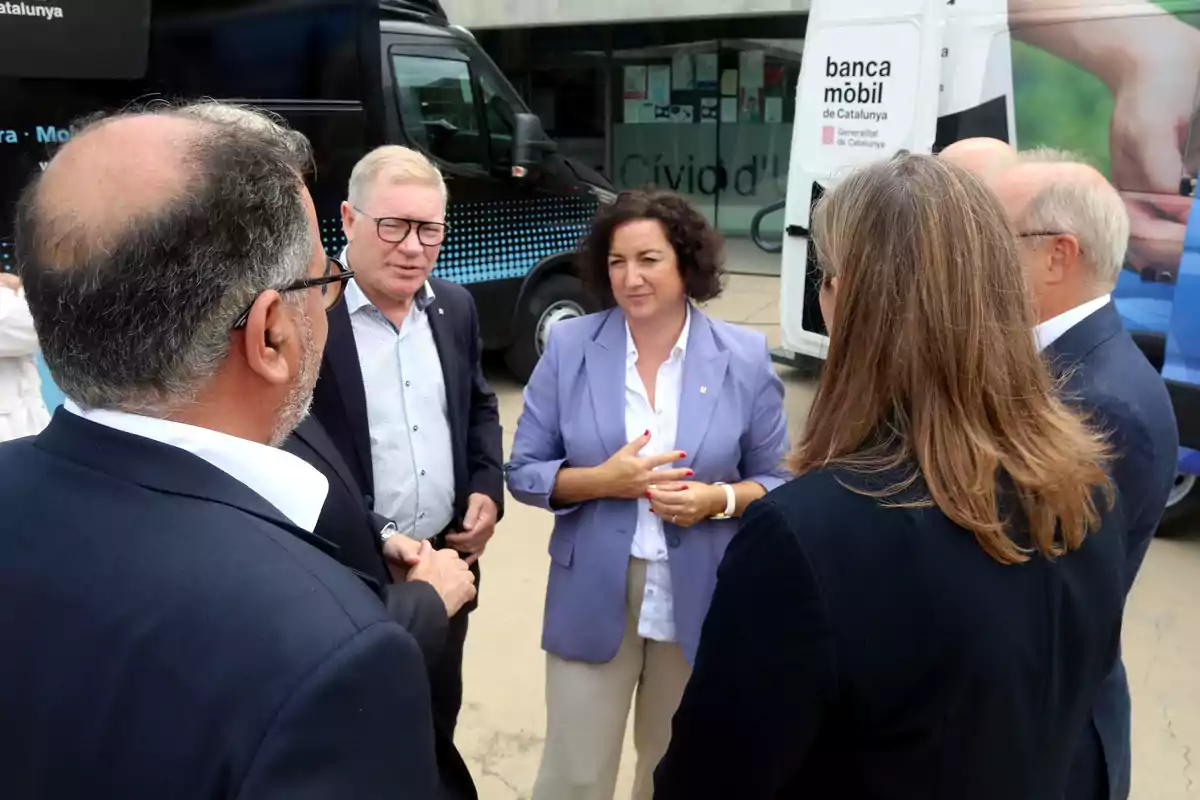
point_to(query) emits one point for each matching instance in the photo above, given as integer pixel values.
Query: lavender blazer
(731, 425)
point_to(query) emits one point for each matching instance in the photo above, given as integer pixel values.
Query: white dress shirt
(1051, 330)
(22, 410)
(411, 453)
(657, 617)
(287, 482)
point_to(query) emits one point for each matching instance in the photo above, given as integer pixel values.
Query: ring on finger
(673, 518)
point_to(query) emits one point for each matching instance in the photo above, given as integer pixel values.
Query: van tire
(1182, 514)
(555, 298)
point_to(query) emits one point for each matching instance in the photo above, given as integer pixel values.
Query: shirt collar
(357, 300)
(285, 481)
(679, 350)
(1052, 329)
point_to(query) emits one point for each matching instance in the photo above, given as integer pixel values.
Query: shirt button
(422, 472)
(408, 383)
(421, 515)
(414, 427)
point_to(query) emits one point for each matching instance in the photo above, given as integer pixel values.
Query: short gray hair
(1092, 211)
(399, 165)
(143, 323)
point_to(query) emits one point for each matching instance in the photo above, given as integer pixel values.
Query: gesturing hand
(628, 475)
(685, 504)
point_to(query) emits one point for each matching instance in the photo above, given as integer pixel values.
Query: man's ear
(347, 218)
(268, 330)
(1063, 260)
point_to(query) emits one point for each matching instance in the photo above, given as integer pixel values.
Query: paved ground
(503, 718)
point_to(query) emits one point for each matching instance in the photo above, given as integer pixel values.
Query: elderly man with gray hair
(1072, 231)
(171, 626)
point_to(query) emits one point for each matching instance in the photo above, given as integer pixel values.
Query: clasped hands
(672, 497)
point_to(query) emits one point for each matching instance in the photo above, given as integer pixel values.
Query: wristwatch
(730, 502)
(388, 531)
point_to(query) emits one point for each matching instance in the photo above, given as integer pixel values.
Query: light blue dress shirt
(411, 453)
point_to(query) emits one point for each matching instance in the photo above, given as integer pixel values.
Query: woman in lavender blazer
(647, 430)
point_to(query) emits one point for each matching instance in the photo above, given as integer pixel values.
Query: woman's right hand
(628, 475)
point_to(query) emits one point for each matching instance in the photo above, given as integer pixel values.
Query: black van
(351, 74)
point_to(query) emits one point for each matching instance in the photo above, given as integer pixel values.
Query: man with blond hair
(401, 392)
(1072, 231)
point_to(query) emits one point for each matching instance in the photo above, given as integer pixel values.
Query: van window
(437, 108)
(499, 115)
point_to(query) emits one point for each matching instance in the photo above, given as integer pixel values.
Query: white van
(1117, 81)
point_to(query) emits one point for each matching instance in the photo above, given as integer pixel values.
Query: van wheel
(559, 297)
(1180, 516)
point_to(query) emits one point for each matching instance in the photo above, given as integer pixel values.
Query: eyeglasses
(331, 285)
(1037, 234)
(395, 230)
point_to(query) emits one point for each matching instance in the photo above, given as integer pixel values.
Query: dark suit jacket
(168, 633)
(340, 402)
(1110, 378)
(859, 651)
(354, 530)
(347, 523)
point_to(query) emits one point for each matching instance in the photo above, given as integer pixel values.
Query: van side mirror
(530, 143)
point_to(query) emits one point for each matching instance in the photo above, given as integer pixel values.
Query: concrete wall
(522, 13)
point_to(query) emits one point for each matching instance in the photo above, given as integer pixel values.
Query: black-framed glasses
(395, 230)
(1039, 234)
(331, 285)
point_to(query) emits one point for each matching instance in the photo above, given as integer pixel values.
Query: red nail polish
(690, 474)
(647, 433)
(648, 495)
(682, 454)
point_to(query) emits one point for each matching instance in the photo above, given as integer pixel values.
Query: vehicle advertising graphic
(74, 38)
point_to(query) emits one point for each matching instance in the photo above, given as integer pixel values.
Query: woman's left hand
(684, 503)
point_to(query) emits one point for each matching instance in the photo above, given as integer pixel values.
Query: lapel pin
(703, 390)
(441, 310)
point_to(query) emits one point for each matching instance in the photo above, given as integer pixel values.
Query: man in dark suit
(430, 586)
(401, 391)
(1073, 229)
(171, 626)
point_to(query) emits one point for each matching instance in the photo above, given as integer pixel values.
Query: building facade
(692, 95)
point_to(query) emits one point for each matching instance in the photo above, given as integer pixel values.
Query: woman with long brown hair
(928, 609)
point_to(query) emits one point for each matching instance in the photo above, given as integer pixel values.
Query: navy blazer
(1108, 376)
(856, 650)
(168, 633)
(340, 401)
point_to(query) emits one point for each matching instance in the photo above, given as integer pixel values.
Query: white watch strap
(388, 531)
(730, 499)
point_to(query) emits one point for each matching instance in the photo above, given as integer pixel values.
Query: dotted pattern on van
(498, 239)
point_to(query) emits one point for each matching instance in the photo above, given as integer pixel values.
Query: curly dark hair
(699, 250)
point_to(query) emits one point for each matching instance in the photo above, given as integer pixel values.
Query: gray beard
(295, 407)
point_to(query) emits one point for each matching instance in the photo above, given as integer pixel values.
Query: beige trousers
(587, 706)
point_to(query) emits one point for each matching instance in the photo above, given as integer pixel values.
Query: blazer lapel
(604, 360)
(312, 434)
(341, 354)
(443, 338)
(704, 368)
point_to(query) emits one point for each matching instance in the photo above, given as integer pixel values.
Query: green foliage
(1059, 105)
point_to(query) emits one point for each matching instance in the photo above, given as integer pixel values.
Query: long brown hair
(932, 376)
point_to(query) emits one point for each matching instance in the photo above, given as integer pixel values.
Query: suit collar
(341, 355)
(1085, 336)
(158, 467)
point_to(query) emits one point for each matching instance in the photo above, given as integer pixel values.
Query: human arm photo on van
(1149, 60)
